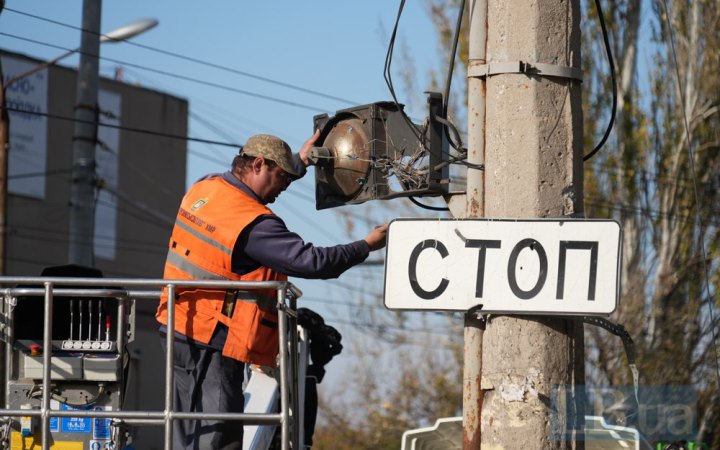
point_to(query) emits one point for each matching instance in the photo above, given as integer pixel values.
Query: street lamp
(118, 35)
(132, 29)
(82, 190)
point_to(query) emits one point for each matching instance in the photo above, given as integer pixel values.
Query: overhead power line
(234, 123)
(124, 128)
(173, 75)
(197, 61)
(110, 273)
(47, 173)
(60, 233)
(652, 213)
(659, 179)
(100, 245)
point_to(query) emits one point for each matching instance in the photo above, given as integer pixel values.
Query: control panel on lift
(89, 335)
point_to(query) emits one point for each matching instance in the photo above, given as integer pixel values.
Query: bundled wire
(404, 172)
(612, 78)
(388, 75)
(457, 145)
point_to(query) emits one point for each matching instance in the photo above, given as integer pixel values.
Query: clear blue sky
(334, 47)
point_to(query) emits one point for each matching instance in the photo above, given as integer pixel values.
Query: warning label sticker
(101, 427)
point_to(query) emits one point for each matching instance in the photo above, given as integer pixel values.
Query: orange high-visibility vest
(211, 216)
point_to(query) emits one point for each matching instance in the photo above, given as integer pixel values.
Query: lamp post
(120, 34)
(82, 193)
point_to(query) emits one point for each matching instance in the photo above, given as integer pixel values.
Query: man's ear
(257, 164)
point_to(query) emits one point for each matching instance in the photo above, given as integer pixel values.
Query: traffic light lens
(349, 146)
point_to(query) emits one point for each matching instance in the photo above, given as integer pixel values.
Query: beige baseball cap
(272, 148)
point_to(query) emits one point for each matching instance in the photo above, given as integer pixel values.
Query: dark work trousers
(206, 381)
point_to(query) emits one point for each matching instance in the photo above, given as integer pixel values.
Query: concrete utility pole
(527, 131)
(82, 196)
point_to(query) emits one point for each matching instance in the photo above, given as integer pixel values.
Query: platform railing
(151, 289)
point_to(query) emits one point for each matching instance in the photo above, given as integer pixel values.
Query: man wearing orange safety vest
(225, 231)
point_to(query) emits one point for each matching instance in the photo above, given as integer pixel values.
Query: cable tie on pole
(534, 68)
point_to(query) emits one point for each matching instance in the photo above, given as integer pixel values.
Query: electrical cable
(132, 213)
(612, 78)
(109, 246)
(47, 173)
(376, 327)
(124, 128)
(339, 211)
(651, 213)
(352, 306)
(109, 274)
(431, 208)
(208, 157)
(660, 180)
(219, 132)
(307, 220)
(103, 241)
(448, 80)
(36, 392)
(173, 75)
(459, 161)
(212, 127)
(195, 60)
(33, 231)
(387, 75)
(698, 202)
(449, 126)
(236, 122)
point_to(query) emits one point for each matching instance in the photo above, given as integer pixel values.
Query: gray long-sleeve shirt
(267, 242)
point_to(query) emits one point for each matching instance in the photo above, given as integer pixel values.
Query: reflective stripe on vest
(202, 237)
(191, 269)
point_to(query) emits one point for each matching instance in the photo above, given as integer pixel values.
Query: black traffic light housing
(374, 151)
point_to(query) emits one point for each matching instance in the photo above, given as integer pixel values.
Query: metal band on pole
(534, 68)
